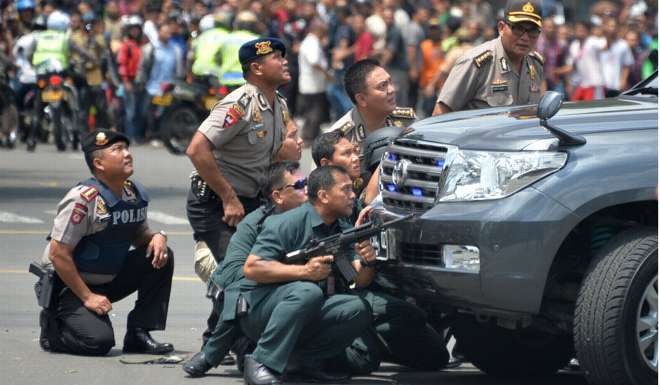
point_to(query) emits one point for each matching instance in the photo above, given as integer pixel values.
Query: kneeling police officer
(96, 224)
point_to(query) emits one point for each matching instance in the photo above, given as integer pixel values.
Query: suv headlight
(481, 175)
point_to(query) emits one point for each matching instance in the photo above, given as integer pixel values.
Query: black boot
(44, 342)
(257, 373)
(197, 366)
(140, 341)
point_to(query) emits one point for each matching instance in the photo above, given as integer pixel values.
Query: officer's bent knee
(307, 292)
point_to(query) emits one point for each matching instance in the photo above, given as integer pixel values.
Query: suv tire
(617, 308)
(511, 353)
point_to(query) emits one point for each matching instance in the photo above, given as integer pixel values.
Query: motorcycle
(55, 107)
(9, 121)
(183, 107)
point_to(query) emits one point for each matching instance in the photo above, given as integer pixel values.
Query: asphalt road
(31, 184)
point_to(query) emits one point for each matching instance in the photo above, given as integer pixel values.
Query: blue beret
(259, 47)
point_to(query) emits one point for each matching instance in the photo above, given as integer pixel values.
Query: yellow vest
(51, 45)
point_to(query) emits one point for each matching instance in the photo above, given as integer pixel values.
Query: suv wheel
(616, 316)
(511, 353)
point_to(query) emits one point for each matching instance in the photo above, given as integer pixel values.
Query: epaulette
(404, 113)
(346, 127)
(483, 58)
(89, 193)
(537, 56)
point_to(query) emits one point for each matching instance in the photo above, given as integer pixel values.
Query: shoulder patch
(89, 193)
(537, 56)
(404, 113)
(483, 58)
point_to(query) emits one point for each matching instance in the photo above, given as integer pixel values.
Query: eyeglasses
(518, 30)
(297, 185)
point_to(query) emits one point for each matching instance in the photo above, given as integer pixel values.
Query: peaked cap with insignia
(257, 48)
(523, 10)
(98, 140)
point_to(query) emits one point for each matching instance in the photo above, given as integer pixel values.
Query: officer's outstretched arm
(441, 108)
(270, 271)
(61, 255)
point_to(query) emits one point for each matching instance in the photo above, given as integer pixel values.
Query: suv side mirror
(549, 105)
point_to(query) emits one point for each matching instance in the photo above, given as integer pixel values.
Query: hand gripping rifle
(338, 245)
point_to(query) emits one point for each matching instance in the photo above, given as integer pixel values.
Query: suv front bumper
(517, 238)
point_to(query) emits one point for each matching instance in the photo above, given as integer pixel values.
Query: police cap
(257, 48)
(375, 145)
(98, 140)
(517, 11)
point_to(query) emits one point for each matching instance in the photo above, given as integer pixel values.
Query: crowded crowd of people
(120, 53)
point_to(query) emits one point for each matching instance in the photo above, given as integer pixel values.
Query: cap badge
(101, 139)
(263, 47)
(528, 7)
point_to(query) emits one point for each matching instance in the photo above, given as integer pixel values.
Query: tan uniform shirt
(354, 129)
(83, 212)
(246, 133)
(485, 77)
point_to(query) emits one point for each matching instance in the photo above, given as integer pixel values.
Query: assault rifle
(339, 245)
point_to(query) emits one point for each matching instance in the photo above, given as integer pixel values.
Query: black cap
(98, 140)
(517, 11)
(254, 49)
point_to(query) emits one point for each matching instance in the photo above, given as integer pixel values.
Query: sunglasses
(518, 30)
(297, 185)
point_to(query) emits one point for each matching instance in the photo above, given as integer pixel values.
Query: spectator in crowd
(615, 59)
(128, 61)
(433, 57)
(395, 58)
(313, 80)
(554, 54)
(413, 35)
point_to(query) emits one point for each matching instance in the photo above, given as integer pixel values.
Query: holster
(214, 292)
(44, 287)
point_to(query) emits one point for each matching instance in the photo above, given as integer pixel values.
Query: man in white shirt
(313, 80)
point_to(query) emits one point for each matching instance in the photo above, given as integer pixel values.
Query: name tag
(500, 88)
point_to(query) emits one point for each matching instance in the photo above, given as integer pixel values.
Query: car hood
(518, 128)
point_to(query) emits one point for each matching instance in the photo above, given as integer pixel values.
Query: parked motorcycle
(55, 107)
(183, 108)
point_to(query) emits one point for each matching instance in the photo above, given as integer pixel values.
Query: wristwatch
(366, 263)
(163, 233)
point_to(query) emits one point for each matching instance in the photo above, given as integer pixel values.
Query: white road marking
(167, 219)
(8, 217)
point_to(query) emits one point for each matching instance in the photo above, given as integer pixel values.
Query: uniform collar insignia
(504, 64)
(357, 184)
(360, 132)
(263, 103)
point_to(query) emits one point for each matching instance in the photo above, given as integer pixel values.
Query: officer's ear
(322, 196)
(255, 67)
(360, 99)
(325, 162)
(276, 197)
(500, 26)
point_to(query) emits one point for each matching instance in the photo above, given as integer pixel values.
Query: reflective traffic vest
(51, 45)
(205, 48)
(232, 73)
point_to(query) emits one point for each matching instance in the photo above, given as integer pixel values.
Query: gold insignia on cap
(101, 139)
(263, 47)
(528, 7)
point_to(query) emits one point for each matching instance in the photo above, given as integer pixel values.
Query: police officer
(409, 340)
(96, 223)
(245, 26)
(372, 91)
(206, 45)
(236, 144)
(295, 322)
(502, 72)
(286, 190)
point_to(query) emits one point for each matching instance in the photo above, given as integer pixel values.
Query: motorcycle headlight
(482, 175)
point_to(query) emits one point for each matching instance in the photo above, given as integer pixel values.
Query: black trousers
(314, 112)
(72, 328)
(206, 220)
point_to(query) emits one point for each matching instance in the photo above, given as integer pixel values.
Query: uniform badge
(101, 208)
(499, 85)
(528, 7)
(256, 116)
(263, 47)
(233, 115)
(285, 117)
(357, 184)
(78, 213)
(261, 133)
(101, 139)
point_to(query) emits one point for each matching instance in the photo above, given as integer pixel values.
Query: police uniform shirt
(354, 129)
(246, 133)
(83, 212)
(485, 77)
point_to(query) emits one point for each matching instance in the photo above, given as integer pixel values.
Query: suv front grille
(423, 163)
